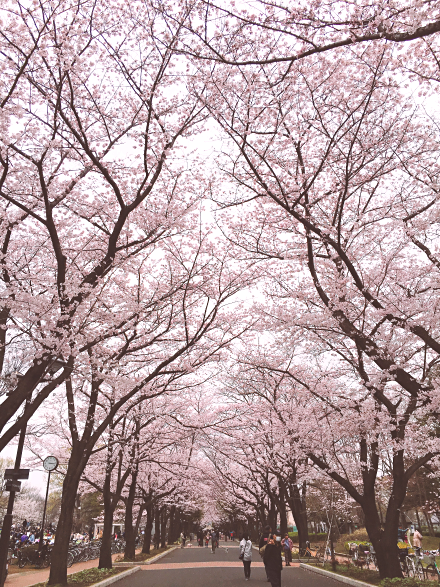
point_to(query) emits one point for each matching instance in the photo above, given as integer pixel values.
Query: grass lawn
(141, 557)
(87, 577)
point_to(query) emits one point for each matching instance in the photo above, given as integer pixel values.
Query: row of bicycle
(417, 564)
(78, 552)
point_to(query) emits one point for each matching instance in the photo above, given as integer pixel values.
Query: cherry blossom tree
(90, 179)
(278, 34)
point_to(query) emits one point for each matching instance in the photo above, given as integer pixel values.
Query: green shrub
(406, 582)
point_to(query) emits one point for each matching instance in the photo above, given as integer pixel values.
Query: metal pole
(7, 521)
(40, 544)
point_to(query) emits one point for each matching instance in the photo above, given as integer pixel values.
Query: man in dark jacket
(273, 562)
(263, 542)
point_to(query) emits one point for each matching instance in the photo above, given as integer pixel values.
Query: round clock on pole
(50, 463)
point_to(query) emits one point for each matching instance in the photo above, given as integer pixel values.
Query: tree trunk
(148, 528)
(130, 538)
(272, 515)
(105, 553)
(418, 520)
(163, 527)
(178, 523)
(171, 532)
(385, 540)
(283, 515)
(297, 503)
(157, 527)
(429, 523)
(58, 568)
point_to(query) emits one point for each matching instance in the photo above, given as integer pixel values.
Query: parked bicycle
(30, 555)
(318, 555)
(430, 563)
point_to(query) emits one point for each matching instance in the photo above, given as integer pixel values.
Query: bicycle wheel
(404, 568)
(70, 559)
(21, 562)
(320, 554)
(410, 567)
(418, 571)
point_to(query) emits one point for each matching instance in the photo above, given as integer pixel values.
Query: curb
(161, 555)
(148, 561)
(117, 577)
(113, 579)
(340, 578)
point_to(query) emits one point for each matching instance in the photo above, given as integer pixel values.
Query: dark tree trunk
(105, 553)
(130, 538)
(297, 504)
(385, 540)
(283, 514)
(418, 519)
(163, 527)
(157, 527)
(148, 528)
(58, 568)
(138, 521)
(272, 515)
(429, 523)
(172, 531)
(178, 523)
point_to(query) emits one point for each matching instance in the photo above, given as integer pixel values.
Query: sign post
(13, 485)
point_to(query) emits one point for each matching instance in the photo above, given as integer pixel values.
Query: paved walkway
(194, 567)
(198, 567)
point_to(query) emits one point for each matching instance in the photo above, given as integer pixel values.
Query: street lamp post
(50, 464)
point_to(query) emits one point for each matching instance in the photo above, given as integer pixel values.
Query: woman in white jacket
(246, 555)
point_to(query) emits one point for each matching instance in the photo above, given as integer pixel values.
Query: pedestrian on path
(246, 555)
(273, 561)
(263, 543)
(417, 539)
(182, 540)
(287, 545)
(214, 541)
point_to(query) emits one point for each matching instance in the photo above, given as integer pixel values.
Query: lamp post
(13, 475)
(50, 464)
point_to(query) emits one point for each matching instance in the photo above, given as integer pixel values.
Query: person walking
(417, 539)
(213, 541)
(272, 560)
(287, 545)
(246, 555)
(263, 543)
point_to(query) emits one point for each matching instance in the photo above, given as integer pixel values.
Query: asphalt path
(198, 567)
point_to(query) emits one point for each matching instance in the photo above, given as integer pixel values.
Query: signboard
(17, 473)
(13, 485)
